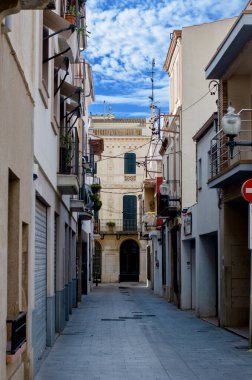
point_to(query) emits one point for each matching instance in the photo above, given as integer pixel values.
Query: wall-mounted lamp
(231, 125)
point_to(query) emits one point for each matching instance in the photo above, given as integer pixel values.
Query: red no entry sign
(246, 190)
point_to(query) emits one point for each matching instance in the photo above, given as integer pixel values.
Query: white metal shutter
(40, 279)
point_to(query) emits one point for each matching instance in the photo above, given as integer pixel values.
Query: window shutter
(130, 163)
(129, 212)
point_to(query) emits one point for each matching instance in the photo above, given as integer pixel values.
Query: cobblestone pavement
(124, 332)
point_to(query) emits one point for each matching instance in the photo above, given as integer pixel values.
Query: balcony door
(129, 261)
(129, 213)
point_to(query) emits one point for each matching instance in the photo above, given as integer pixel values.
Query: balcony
(67, 178)
(119, 226)
(9, 7)
(76, 205)
(169, 205)
(16, 335)
(222, 169)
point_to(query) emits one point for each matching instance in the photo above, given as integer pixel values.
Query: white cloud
(127, 34)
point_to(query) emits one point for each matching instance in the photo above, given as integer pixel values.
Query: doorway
(129, 261)
(97, 262)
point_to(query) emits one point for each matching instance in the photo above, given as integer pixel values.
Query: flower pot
(70, 18)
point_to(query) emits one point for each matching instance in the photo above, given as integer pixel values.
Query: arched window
(130, 163)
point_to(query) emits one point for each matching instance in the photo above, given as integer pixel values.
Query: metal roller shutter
(40, 279)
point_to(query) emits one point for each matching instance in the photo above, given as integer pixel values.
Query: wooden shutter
(130, 163)
(129, 213)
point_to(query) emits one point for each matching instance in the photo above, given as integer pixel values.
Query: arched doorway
(97, 262)
(129, 261)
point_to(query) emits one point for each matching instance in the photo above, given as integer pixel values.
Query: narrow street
(123, 331)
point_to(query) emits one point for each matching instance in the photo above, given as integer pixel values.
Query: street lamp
(231, 125)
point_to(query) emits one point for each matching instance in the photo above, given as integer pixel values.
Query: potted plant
(152, 205)
(65, 153)
(110, 225)
(95, 188)
(95, 197)
(70, 14)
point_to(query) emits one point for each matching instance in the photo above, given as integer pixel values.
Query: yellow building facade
(118, 246)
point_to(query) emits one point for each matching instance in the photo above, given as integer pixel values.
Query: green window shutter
(129, 212)
(130, 163)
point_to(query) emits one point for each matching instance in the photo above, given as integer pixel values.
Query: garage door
(40, 281)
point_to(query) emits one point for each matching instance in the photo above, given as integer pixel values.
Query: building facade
(44, 203)
(121, 170)
(190, 106)
(229, 67)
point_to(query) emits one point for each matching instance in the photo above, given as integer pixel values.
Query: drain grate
(148, 315)
(136, 317)
(74, 333)
(112, 319)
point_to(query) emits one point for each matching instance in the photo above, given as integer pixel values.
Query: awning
(70, 91)
(66, 38)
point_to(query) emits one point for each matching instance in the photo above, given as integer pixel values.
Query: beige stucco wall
(111, 258)
(16, 109)
(115, 184)
(199, 43)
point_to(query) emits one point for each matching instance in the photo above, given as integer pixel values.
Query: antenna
(152, 82)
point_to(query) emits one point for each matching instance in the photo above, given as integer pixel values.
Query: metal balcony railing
(219, 157)
(75, 12)
(174, 192)
(16, 333)
(69, 151)
(119, 225)
(169, 204)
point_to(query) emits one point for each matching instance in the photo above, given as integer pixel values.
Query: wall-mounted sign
(188, 223)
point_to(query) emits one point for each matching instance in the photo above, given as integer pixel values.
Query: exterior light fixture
(231, 125)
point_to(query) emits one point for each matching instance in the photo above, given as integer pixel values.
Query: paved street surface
(123, 331)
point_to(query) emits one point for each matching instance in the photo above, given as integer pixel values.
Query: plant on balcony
(66, 152)
(70, 14)
(96, 188)
(110, 225)
(95, 197)
(152, 205)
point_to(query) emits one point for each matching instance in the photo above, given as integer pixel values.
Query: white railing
(219, 155)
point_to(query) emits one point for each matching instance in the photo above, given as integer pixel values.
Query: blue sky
(127, 34)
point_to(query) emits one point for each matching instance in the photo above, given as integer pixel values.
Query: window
(130, 163)
(129, 213)
(199, 179)
(45, 55)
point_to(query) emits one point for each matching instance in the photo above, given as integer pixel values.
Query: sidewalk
(124, 332)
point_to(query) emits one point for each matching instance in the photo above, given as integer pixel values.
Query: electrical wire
(128, 151)
(114, 192)
(197, 101)
(147, 171)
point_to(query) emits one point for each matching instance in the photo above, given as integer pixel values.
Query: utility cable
(128, 151)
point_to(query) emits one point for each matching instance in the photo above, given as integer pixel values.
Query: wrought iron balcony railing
(119, 225)
(16, 333)
(69, 151)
